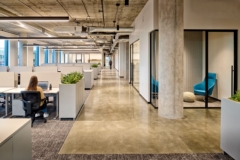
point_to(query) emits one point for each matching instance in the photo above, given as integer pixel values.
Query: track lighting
(34, 19)
(126, 2)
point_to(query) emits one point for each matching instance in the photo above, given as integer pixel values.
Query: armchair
(199, 89)
(31, 104)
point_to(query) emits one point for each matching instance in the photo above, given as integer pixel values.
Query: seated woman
(33, 86)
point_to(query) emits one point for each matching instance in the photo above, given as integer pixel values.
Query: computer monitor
(43, 85)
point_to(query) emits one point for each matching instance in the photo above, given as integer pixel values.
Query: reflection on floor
(199, 102)
(116, 120)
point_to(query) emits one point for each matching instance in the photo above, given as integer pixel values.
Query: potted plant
(71, 95)
(230, 128)
(95, 70)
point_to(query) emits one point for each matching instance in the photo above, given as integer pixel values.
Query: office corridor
(116, 120)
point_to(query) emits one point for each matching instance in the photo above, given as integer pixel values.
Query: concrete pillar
(57, 56)
(22, 52)
(122, 59)
(50, 56)
(30, 55)
(13, 53)
(170, 103)
(70, 57)
(41, 56)
(62, 57)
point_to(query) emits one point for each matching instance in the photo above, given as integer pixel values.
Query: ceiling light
(34, 19)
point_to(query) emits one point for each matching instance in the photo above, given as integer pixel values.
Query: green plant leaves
(236, 97)
(71, 78)
(94, 65)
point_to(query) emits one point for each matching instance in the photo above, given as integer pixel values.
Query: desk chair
(31, 104)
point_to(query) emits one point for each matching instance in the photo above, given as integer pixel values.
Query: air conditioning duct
(70, 29)
(110, 30)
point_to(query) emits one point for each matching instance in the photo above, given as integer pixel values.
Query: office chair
(31, 104)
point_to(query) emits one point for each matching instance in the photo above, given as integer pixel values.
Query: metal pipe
(103, 13)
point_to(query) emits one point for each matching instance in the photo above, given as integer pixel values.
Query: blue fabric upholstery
(154, 85)
(199, 89)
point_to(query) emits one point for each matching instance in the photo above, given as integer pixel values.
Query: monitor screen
(43, 84)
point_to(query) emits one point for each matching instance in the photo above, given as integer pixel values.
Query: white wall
(144, 24)
(193, 51)
(116, 60)
(220, 61)
(212, 14)
(122, 59)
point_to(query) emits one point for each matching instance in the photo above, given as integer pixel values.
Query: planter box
(95, 72)
(99, 69)
(89, 78)
(71, 99)
(230, 128)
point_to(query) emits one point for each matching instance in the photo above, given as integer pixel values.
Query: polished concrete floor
(116, 120)
(199, 102)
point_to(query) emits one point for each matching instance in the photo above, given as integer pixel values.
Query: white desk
(2, 90)
(51, 93)
(15, 139)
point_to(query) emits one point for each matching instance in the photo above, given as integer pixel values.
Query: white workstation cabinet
(15, 139)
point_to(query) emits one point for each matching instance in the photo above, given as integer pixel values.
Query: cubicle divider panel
(59, 65)
(66, 70)
(18, 69)
(48, 64)
(3, 68)
(46, 69)
(6, 79)
(85, 66)
(53, 78)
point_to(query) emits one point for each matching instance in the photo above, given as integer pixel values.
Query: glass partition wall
(134, 50)
(154, 68)
(210, 67)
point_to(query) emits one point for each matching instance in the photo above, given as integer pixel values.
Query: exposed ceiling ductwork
(117, 40)
(110, 30)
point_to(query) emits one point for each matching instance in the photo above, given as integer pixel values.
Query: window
(3, 52)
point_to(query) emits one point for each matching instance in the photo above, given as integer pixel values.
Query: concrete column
(63, 57)
(57, 56)
(83, 58)
(70, 57)
(170, 103)
(50, 56)
(41, 55)
(22, 51)
(29, 55)
(122, 59)
(13, 53)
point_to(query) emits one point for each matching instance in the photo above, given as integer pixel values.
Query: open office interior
(119, 79)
